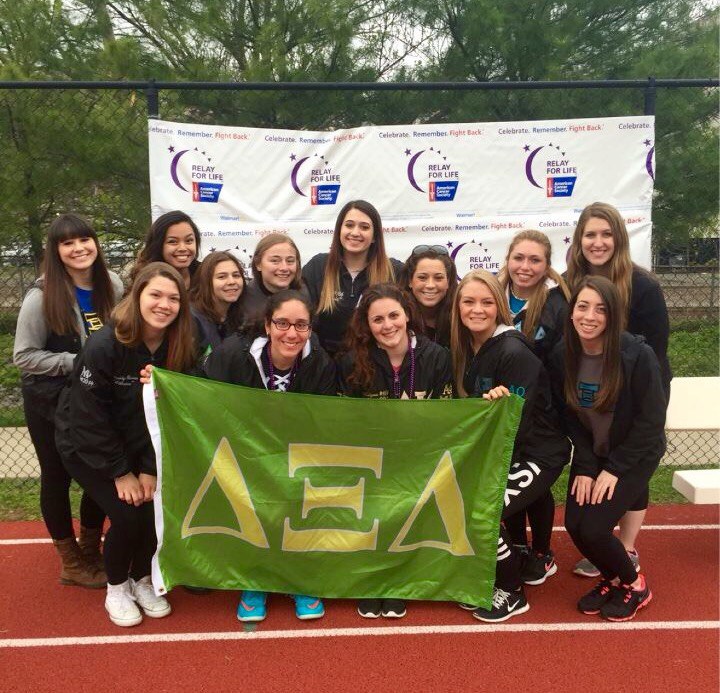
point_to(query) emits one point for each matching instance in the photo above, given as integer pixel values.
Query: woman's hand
(148, 483)
(605, 482)
(129, 489)
(497, 393)
(582, 488)
(145, 374)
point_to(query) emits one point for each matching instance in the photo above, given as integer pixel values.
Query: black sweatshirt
(550, 327)
(637, 431)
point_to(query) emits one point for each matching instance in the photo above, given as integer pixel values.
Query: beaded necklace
(272, 385)
(397, 387)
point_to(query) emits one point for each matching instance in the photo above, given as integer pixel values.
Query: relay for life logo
(194, 171)
(430, 172)
(315, 175)
(549, 166)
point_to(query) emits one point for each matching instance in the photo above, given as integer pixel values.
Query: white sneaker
(144, 594)
(121, 607)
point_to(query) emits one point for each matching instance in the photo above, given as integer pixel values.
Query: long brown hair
(442, 309)
(263, 245)
(536, 302)
(612, 377)
(179, 334)
(152, 250)
(461, 344)
(58, 289)
(379, 267)
(620, 266)
(202, 295)
(360, 340)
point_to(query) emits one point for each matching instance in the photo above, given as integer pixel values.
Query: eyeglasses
(439, 249)
(285, 325)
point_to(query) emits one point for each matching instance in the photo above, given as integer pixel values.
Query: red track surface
(681, 566)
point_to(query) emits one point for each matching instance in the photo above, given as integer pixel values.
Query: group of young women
(587, 353)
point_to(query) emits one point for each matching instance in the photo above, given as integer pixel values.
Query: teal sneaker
(252, 606)
(308, 608)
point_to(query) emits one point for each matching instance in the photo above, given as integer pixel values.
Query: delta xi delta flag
(328, 496)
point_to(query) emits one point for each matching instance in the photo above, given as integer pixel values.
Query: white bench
(695, 406)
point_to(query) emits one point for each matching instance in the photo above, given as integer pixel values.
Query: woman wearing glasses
(430, 278)
(387, 360)
(282, 358)
(356, 260)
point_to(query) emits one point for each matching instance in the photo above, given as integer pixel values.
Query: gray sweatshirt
(31, 335)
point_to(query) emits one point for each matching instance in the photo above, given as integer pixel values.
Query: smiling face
(597, 242)
(526, 267)
(278, 267)
(179, 247)
(429, 283)
(589, 317)
(159, 304)
(77, 254)
(285, 345)
(388, 324)
(478, 311)
(227, 282)
(356, 233)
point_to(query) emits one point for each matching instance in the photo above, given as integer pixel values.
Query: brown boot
(75, 571)
(89, 543)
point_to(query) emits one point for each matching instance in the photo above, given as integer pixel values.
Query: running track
(55, 638)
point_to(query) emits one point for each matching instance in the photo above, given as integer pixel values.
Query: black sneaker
(626, 602)
(596, 598)
(537, 567)
(370, 608)
(505, 605)
(393, 608)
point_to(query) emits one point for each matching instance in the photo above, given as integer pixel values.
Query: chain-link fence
(84, 148)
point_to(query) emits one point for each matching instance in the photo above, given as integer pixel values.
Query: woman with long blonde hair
(491, 359)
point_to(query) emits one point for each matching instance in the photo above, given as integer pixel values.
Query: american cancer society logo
(430, 172)
(195, 172)
(317, 175)
(551, 162)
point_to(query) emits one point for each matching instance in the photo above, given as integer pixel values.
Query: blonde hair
(460, 336)
(536, 302)
(619, 266)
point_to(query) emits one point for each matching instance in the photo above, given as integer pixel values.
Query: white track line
(358, 632)
(646, 528)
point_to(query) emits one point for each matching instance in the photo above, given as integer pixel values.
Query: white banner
(468, 186)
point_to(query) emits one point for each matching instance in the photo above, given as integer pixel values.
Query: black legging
(541, 514)
(54, 479)
(527, 482)
(591, 526)
(130, 542)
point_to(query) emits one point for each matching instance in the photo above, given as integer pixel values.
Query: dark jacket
(255, 298)
(238, 360)
(637, 435)
(433, 373)
(331, 327)
(549, 329)
(100, 416)
(648, 316)
(507, 359)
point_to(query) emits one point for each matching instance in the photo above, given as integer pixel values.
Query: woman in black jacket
(285, 359)
(491, 359)
(387, 360)
(537, 296)
(337, 279)
(102, 435)
(601, 246)
(608, 384)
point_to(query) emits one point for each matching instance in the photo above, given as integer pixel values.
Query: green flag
(326, 496)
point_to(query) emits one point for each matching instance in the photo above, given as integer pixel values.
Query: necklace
(287, 381)
(397, 387)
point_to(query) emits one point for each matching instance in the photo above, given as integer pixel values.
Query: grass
(694, 349)
(20, 498)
